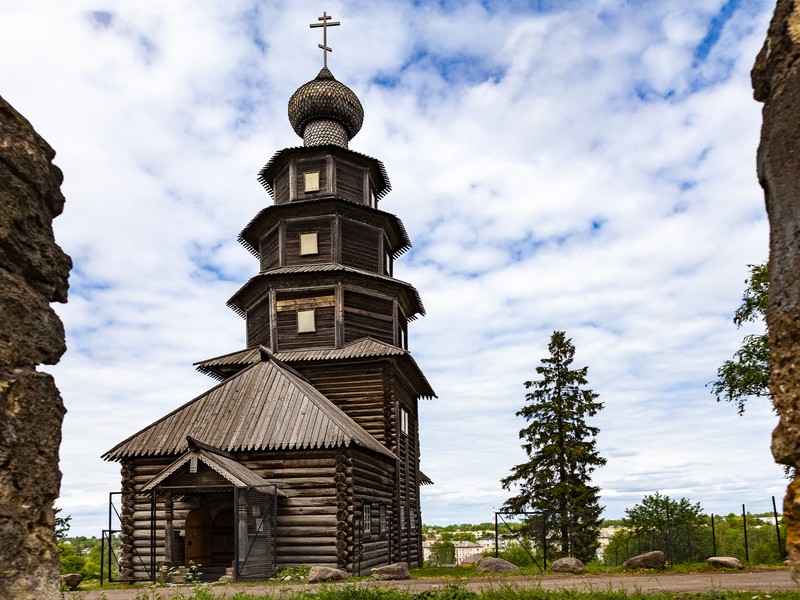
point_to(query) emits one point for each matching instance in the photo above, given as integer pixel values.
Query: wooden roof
(267, 406)
(267, 173)
(234, 472)
(328, 274)
(268, 216)
(224, 366)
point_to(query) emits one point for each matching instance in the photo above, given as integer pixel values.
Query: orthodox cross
(324, 45)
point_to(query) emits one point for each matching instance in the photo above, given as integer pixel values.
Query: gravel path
(760, 581)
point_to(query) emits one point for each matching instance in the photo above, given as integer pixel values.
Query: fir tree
(561, 447)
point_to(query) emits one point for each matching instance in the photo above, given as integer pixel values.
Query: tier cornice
(320, 275)
(270, 215)
(268, 173)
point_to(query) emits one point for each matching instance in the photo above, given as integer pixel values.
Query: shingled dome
(325, 111)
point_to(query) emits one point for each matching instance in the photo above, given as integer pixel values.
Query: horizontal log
(305, 501)
(308, 510)
(306, 521)
(321, 538)
(315, 551)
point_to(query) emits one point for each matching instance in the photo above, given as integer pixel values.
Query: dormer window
(312, 182)
(305, 321)
(308, 244)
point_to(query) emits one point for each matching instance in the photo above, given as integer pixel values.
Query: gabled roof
(267, 406)
(224, 366)
(236, 473)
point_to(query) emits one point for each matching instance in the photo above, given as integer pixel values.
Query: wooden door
(197, 542)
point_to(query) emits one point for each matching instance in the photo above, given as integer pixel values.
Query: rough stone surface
(490, 564)
(725, 562)
(72, 581)
(776, 83)
(649, 560)
(567, 565)
(33, 273)
(320, 574)
(391, 572)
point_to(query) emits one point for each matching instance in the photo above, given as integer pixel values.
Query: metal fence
(752, 537)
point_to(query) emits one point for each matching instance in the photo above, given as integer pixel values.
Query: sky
(582, 166)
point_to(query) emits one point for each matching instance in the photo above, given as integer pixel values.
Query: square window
(305, 321)
(308, 244)
(312, 182)
(367, 519)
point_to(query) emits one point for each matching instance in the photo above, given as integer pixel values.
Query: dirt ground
(761, 581)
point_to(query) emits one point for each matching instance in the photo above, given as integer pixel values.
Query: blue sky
(581, 166)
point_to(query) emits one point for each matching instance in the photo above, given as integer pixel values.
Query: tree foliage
(443, 552)
(561, 447)
(659, 513)
(746, 375)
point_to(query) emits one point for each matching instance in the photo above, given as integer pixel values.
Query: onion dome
(325, 111)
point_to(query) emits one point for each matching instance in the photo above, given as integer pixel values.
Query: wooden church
(307, 450)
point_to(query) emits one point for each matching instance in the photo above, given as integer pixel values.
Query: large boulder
(391, 572)
(320, 574)
(72, 581)
(490, 564)
(649, 560)
(725, 562)
(776, 83)
(567, 565)
(33, 273)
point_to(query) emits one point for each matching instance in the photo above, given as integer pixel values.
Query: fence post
(496, 542)
(713, 537)
(777, 529)
(744, 525)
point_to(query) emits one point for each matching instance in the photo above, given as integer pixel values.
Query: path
(761, 581)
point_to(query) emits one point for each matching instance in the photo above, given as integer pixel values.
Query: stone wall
(776, 83)
(33, 273)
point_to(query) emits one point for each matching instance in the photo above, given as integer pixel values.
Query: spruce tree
(562, 451)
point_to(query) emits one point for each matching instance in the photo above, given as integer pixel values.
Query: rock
(391, 572)
(318, 574)
(649, 560)
(33, 273)
(567, 565)
(776, 83)
(72, 581)
(726, 562)
(490, 564)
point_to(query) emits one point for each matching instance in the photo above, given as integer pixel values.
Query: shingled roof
(267, 406)
(224, 366)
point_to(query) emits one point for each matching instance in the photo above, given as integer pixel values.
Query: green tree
(677, 527)
(62, 523)
(443, 552)
(746, 375)
(561, 447)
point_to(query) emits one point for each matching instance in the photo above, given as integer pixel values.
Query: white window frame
(383, 518)
(306, 321)
(367, 519)
(404, 421)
